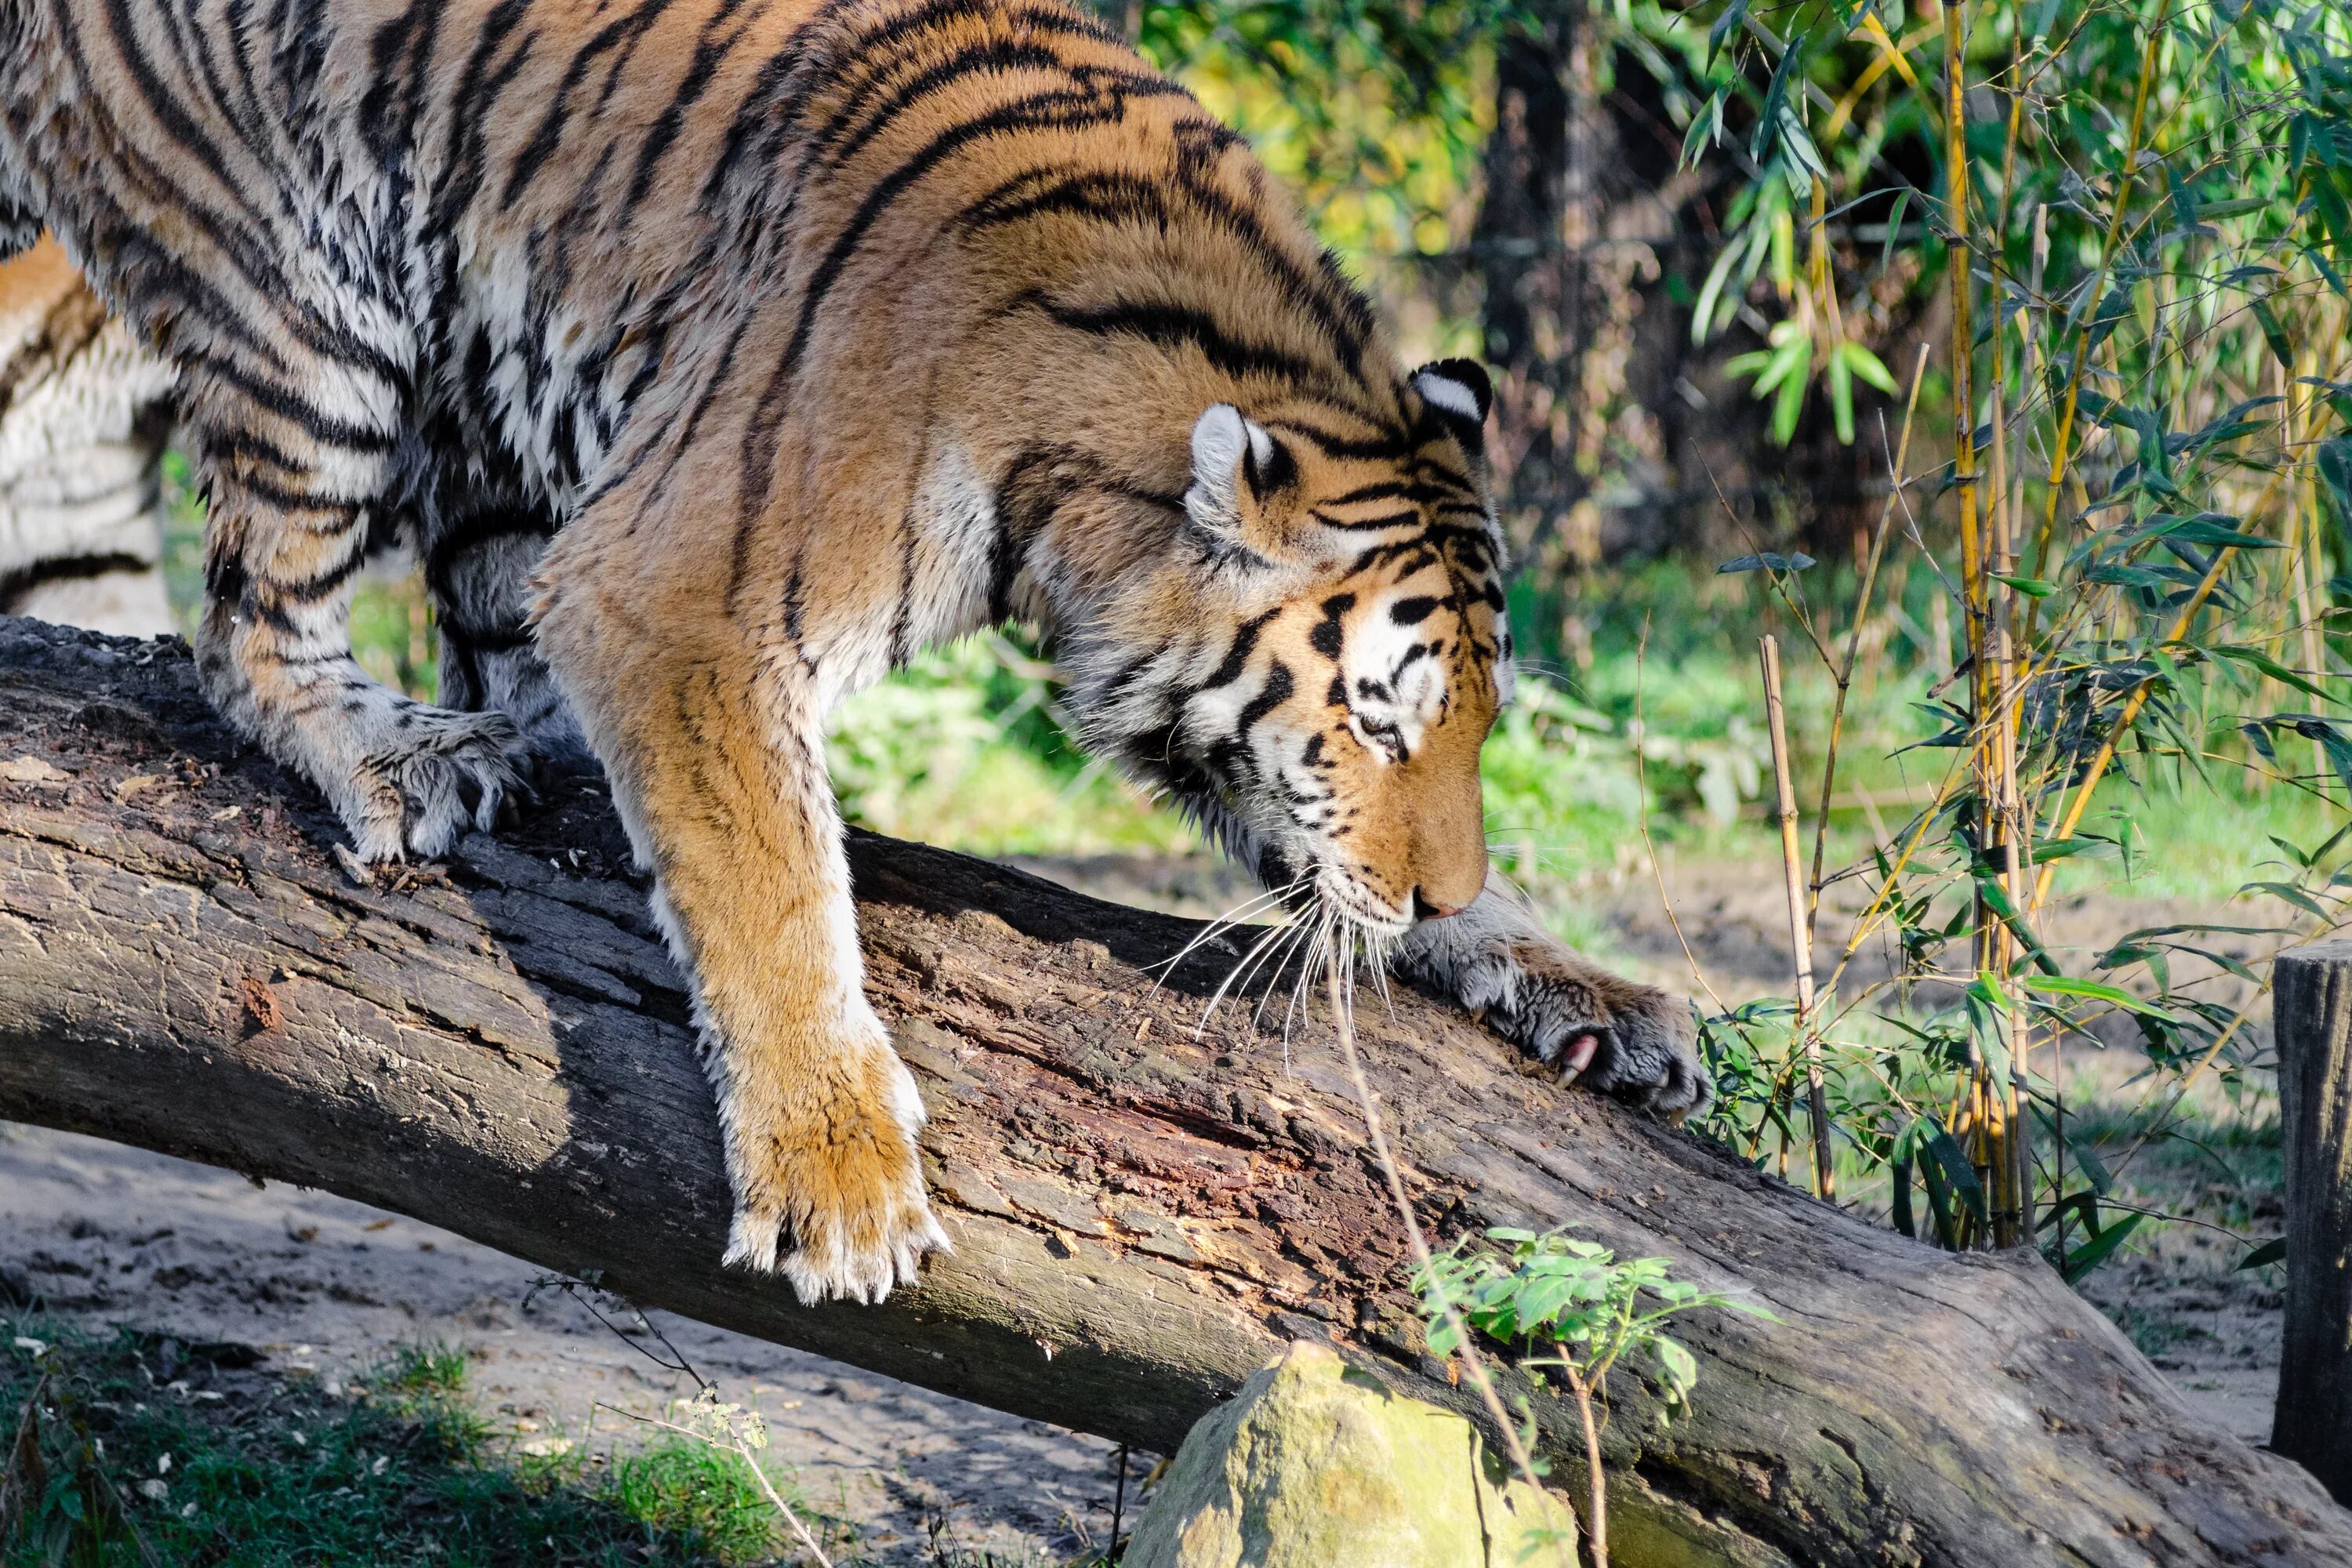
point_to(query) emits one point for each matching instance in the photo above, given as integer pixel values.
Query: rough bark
(1143, 1216)
(2311, 1020)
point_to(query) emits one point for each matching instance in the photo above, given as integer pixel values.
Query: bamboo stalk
(1987, 1143)
(1845, 672)
(2061, 446)
(2303, 551)
(1800, 930)
(2016, 1222)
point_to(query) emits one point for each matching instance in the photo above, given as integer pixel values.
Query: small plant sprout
(1577, 1311)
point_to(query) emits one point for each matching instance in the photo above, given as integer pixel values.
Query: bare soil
(325, 1287)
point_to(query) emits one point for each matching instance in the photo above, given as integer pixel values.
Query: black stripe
(1115, 197)
(710, 49)
(1098, 97)
(829, 152)
(1238, 653)
(1392, 447)
(619, 33)
(1171, 326)
(1369, 524)
(1278, 690)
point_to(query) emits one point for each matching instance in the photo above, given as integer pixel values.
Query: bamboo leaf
(1867, 367)
(1734, 15)
(2102, 1247)
(2031, 587)
(1768, 560)
(1953, 1163)
(2270, 1252)
(2237, 653)
(2098, 991)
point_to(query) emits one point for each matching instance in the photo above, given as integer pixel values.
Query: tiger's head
(1314, 669)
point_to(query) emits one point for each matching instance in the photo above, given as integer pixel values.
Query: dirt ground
(103, 1232)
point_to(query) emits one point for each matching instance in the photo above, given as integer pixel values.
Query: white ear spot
(1217, 441)
(1449, 394)
(1261, 443)
(1219, 438)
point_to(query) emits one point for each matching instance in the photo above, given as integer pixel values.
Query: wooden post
(2312, 1014)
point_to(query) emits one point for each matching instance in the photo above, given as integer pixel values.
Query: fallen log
(1143, 1214)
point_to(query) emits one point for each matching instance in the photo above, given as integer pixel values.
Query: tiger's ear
(1459, 392)
(1238, 467)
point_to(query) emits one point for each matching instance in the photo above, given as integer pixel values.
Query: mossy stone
(1313, 1464)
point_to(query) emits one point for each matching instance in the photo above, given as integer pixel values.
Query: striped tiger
(83, 415)
(721, 355)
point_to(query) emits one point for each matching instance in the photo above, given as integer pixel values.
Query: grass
(153, 1449)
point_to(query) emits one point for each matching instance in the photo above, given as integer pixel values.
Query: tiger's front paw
(828, 1183)
(1630, 1041)
(410, 779)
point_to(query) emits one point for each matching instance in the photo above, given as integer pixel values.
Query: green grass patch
(146, 1448)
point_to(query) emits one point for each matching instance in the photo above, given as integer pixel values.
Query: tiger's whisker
(1274, 966)
(1218, 927)
(1234, 975)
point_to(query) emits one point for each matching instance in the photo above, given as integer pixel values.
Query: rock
(1315, 1465)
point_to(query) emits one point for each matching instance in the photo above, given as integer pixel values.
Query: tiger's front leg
(717, 763)
(1630, 1041)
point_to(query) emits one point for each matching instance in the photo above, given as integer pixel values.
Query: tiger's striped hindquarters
(810, 334)
(83, 415)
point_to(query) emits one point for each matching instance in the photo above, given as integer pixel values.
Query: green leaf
(2270, 1252)
(1867, 367)
(2276, 335)
(2099, 991)
(2082, 846)
(1677, 1369)
(1725, 25)
(1785, 408)
(1954, 1164)
(1768, 560)
(2102, 1247)
(1840, 376)
(2240, 654)
(2335, 460)
(2292, 895)
(1887, 255)
(2093, 1167)
(2031, 587)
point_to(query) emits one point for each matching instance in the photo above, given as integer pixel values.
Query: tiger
(84, 413)
(720, 355)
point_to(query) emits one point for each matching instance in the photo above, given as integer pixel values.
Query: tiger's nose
(1424, 909)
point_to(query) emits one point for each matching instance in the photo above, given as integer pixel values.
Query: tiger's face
(1321, 664)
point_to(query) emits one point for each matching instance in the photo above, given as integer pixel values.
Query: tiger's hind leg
(714, 747)
(289, 490)
(477, 566)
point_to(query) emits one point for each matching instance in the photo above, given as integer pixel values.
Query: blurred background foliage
(1702, 247)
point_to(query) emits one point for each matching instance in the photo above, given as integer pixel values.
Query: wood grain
(2312, 1018)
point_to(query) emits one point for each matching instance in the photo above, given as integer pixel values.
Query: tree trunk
(1142, 1214)
(2312, 1019)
